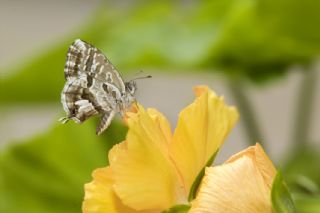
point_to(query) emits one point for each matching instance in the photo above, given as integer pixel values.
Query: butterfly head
(131, 87)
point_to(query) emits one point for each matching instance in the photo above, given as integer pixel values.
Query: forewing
(85, 60)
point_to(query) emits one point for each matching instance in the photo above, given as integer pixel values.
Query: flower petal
(233, 187)
(144, 175)
(201, 130)
(99, 195)
(264, 164)
(162, 123)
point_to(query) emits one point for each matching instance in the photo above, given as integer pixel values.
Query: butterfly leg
(105, 122)
(64, 120)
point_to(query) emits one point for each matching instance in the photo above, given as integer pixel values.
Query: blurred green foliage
(178, 209)
(280, 196)
(303, 163)
(47, 173)
(302, 173)
(264, 37)
(252, 38)
(41, 79)
(307, 204)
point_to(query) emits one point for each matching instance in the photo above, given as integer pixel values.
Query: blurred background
(261, 55)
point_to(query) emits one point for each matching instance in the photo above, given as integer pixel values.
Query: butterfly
(93, 86)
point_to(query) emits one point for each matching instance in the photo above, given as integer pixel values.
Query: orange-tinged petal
(264, 164)
(130, 111)
(242, 184)
(144, 175)
(100, 197)
(232, 188)
(199, 90)
(201, 130)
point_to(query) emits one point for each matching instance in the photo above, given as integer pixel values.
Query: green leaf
(48, 173)
(302, 170)
(293, 18)
(178, 209)
(307, 203)
(264, 38)
(196, 183)
(302, 174)
(280, 196)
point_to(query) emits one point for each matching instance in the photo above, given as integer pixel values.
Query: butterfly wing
(85, 60)
(77, 100)
(105, 121)
(93, 85)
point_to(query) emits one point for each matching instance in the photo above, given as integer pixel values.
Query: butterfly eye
(130, 87)
(133, 87)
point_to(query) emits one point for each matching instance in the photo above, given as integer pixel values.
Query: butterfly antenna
(143, 77)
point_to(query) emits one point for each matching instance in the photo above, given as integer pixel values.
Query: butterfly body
(93, 86)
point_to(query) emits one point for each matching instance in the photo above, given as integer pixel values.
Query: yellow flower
(153, 169)
(242, 184)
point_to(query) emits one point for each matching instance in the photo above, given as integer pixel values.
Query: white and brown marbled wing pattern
(84, 59)
(77, 100)
(93, 85)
